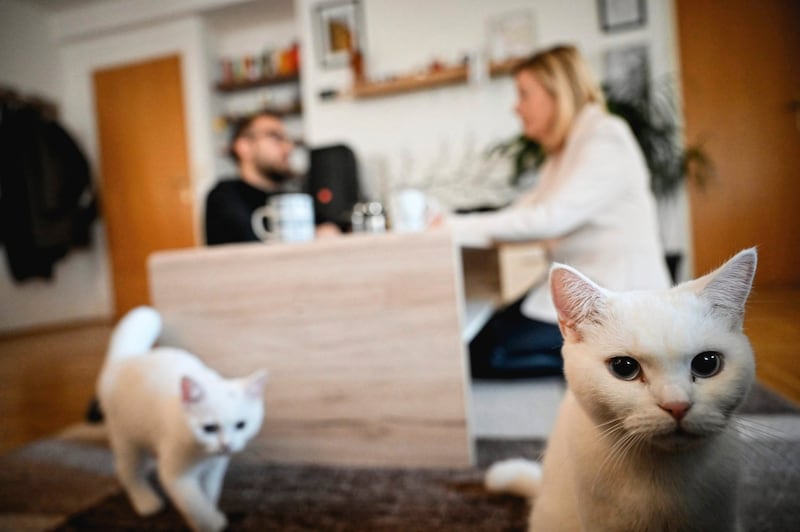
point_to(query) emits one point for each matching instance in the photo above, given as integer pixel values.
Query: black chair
(333, 183)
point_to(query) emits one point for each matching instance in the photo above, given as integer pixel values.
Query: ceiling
(62, 5)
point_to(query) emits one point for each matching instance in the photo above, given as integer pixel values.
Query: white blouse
(593, 205)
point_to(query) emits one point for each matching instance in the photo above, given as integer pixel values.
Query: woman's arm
(596, 173)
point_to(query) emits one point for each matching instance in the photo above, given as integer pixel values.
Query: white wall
(27, 50)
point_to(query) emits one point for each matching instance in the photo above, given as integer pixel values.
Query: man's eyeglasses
(274, 135)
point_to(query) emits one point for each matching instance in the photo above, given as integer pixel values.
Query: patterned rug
(66, 483)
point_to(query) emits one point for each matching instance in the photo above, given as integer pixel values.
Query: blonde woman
(592, 205)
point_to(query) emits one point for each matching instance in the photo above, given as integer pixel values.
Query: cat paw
(517, 476)
(146, 503)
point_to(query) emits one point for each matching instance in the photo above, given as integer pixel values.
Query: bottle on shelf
(357, 65)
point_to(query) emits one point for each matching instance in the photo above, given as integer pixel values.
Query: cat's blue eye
(706, 364)
(210, 428)
(625, 368)
(240, 425)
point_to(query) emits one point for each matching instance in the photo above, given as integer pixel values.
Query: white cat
(643, 440)
(163, 402)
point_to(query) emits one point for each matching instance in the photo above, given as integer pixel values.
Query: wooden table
(361, 336)
(364, 337)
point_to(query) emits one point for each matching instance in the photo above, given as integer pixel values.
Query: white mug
(409, 210)
(290, 216)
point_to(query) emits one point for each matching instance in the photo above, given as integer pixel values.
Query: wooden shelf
(440, 78)
(503, 68)
(233, 86)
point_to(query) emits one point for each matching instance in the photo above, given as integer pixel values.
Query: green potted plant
(653, 118)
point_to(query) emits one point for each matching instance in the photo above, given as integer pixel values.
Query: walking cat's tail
(516, 476)
(136, 333)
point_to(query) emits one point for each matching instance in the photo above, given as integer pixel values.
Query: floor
(47, 379)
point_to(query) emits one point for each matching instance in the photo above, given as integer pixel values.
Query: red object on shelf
(357, 64)
(295, 57)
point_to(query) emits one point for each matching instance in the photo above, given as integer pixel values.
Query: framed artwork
(339, 32)
(616, 15)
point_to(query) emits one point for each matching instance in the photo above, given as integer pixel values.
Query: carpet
(66, 483)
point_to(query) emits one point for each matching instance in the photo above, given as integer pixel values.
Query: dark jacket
(47, 203)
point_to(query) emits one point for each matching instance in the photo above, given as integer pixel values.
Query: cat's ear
(576, 298)
(254, 384)
(728, 287)
(191, 391)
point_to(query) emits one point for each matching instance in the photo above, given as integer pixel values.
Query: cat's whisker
(610, 427)
(608, 457)
(751, 428)
(622, 452)
(615, 454)
(618, 452)
(614, 421)
(755, 458)
(756, 446)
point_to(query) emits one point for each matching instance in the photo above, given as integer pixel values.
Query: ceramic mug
(409, 210)
(290, 218)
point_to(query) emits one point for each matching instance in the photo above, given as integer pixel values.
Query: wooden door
(146, 198)
(740, 65)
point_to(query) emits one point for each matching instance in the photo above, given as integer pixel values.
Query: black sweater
(229, 208)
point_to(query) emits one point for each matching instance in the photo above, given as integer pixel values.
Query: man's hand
(327, 230)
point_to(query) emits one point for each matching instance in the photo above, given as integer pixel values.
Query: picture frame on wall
(339, 31)
(619, 15)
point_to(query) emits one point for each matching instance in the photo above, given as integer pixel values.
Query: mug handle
(257, 222)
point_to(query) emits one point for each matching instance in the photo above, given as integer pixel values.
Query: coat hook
(795, 106)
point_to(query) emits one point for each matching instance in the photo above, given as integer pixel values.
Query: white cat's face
(224, 416)
(664, 368)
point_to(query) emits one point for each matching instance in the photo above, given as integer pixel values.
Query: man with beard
(261, 149)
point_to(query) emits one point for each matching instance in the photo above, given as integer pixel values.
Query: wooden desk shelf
(505, 272)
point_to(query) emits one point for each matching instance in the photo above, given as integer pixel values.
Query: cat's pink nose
(677, 410)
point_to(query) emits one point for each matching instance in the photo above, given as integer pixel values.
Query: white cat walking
(643, 438)
(164, 403)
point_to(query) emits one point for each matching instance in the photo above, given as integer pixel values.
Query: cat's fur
(657, 452)
(164, 403)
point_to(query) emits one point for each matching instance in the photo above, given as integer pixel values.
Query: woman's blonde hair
(566, 76)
